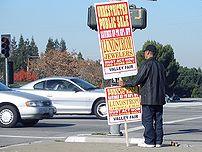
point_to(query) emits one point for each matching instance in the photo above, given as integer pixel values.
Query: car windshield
(4, 87)
(83, 84)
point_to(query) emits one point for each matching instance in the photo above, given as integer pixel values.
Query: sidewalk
(93, 147)
(96, 144)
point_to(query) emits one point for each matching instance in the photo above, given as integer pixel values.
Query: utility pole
(6, 71)
(114, 130)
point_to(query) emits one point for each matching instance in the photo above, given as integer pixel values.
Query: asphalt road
(182, 123)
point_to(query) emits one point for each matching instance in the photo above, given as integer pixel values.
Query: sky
(174, 22)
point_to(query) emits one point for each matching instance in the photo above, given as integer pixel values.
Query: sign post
(126, 132)
(114, 130)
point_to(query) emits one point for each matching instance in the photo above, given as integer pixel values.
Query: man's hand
(120, 82)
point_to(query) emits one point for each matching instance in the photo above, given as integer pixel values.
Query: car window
(39, 86)
(83, 84)
(63, 85)
(51, 84)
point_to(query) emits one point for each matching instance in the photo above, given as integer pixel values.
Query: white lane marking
(135, 129)
(32, 137)
(181, 120)
(167, 122)
(183, 104)
(75, 139)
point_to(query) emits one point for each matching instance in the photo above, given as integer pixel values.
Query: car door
(67, 97)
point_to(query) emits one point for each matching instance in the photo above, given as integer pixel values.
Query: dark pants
(153, 123)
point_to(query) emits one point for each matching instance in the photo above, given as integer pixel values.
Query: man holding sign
(151, 78)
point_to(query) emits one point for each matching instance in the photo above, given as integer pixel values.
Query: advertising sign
(115, 39)
(123, 104)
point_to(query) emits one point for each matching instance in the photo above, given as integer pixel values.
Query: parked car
(70, 95)
(174, 98)
(22, 107)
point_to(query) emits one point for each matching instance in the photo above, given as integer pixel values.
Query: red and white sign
(123, 105)
(115, 39)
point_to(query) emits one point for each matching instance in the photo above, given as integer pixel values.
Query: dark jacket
(151, 78)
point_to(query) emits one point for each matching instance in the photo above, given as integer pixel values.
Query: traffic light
(138, 17)
(5, 45)
(91, 22)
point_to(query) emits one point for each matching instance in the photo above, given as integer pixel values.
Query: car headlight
(34, 104)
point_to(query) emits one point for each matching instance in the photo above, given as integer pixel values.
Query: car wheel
(100, 109)
(29, 122)
(8, 116)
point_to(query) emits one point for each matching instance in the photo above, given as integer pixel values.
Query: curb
(102, 139)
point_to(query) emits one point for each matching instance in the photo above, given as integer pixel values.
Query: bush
(23, 75)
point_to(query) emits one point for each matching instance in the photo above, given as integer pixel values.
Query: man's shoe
(145, 145)
(158, 145)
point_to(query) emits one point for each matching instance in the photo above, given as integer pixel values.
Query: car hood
(24, 95)
(97, 90)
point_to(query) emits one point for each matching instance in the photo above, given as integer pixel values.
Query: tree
(165, 55)
(33, 49)
(189, 82)
(63, 63)
(80, 56)
(90, 71)
(56, 45)
(50, 45)
(14, 51)
(197, 92)
(22, 52)
(27, 51)
(19, 59)
(13, 47)
(55, 63)
(63, 45)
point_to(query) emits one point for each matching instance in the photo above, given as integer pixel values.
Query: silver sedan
(70, 95)
(22, 107)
